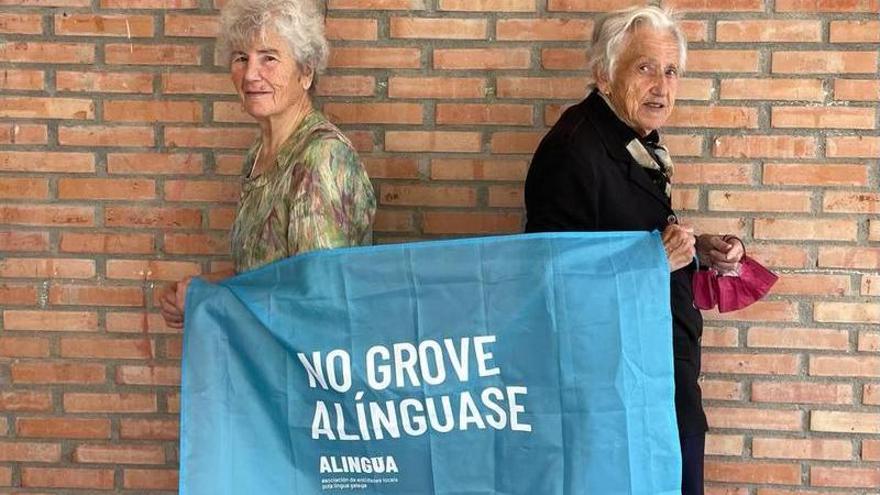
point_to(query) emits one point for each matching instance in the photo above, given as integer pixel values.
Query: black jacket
(582, 178)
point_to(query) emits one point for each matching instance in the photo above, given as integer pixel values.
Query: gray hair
(300, 22)
(612, 29)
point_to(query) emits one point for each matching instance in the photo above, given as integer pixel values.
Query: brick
(713, 116)
(376, 58)
(97, 479)
(792, 229)
(148, 429)
(130, 26)
(14, 294)
(45, 215)
(119, 454)
(857, 90)
(411, 195)
(131, 54)
(230, 111)
(515, 142)
(346, 86)
(13, 133)
(376, 4)
(753, 472)
(812, 284)
(47, 108)
(805, 174)
(855, 31)
(188, 137)
(149, 4)
(823, 118)
(195, 26)
(798, 338)
(204, 190)
(487, 5)
(106, 189)
(62, 427)
(16, 347)
(720, 337)
(871, 394)
(563, 58)
(93, 243)
(482, 58)
(151, 269)
(802, 393)
(109, 403)
(76, 295)
(24, 241)
(148, 375)
(61, 321)
(735, 226)
(483, 114)
(764, 146)
(197, 83)
(842, 312)
(717, 5)
(851, 202)
(506, 197)
(152, 111)
(150, 479)
(685, 199)
(391, 167)
(58, 372)
(104, 82)
(336, 28)
(471, 223)
(154, 163)
(25, 401)
(762, 311)
(763, 364)
(713, 61)
(374, 113)
(768, 31)
(873, 230)
(772, 89)
(870, 285)
(432, 141)
(196, 244)
(683, 145)
(105, 136)
(846, 6)
(39, 161)
(543, 29)
(21, 23)
(721, 390)
(542, 87)
(869, 342)
(760, 201)
(143, 323)
(853, 147)
(29, 452)
(221, 218)
(855, 366)
(107, 348)
(423, 28)
(871, 450)
(24, 188)
(724, 445)
(47, 268)
(824, 62)
(47, 53)
(478, 169)
(394, 221)
(436, 87)
(152, 217)
(713, 173)
(849, 257)
(796, 448)
(844, 476)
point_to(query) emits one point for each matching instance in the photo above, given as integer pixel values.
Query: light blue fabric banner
(533, 364)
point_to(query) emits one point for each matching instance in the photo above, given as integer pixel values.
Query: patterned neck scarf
(651, 155)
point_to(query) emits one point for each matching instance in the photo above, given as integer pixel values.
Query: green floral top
(317, 196)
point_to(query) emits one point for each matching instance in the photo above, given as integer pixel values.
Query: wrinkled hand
(719, 254)
(173, 302)
(678, 242)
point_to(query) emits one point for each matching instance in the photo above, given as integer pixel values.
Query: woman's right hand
(173, 302)
(679, 243)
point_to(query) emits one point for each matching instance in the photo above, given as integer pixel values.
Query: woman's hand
(173, 302)
(678, 242)
(720, 254)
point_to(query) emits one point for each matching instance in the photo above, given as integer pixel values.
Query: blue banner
(535, 364)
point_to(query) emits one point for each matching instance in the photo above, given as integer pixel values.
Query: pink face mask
(732, 292)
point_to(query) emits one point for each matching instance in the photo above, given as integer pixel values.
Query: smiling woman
(304, 187)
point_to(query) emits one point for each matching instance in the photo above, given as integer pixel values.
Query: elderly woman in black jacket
(602, 168)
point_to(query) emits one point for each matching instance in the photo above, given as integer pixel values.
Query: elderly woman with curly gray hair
(603, 167)
(304, 187)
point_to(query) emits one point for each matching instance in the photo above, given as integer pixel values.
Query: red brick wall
(119, 152)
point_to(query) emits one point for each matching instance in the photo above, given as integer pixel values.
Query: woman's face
(645, 79)
(267, 77)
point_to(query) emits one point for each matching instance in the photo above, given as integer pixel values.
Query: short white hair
(299, 22)
(611, 33)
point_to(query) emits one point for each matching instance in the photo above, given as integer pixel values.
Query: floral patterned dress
(317, 196)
